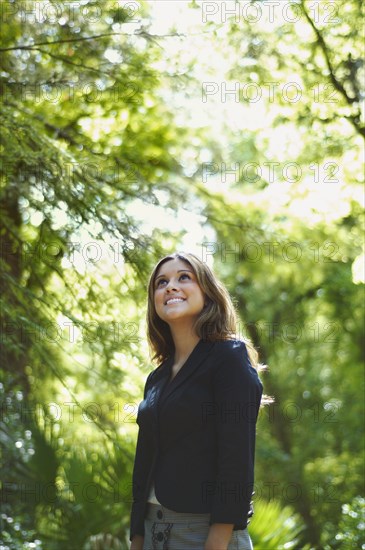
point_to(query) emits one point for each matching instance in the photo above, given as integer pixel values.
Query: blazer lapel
(198, 355)
(157, 388)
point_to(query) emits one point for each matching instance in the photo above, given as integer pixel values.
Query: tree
(289, 248)
(84, 138)
(88, 138)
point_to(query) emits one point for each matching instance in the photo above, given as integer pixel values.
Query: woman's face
(177, 294)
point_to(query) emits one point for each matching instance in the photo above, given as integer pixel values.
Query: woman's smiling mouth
(174, 301)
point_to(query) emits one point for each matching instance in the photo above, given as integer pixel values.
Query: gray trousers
(169, 530)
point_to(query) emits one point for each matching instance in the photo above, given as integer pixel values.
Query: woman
(194, 466)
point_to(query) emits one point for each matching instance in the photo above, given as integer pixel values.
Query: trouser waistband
(157, 512)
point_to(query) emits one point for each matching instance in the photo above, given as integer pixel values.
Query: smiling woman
(194, 466)
(178, 301)
(217, 317)
(178, 297)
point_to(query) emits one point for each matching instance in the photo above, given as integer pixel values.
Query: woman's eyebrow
(178, 271)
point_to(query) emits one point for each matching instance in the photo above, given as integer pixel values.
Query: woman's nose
(171, 285)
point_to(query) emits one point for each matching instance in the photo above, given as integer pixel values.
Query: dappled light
(233, 130)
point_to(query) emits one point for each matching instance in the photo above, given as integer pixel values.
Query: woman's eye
(160, 282)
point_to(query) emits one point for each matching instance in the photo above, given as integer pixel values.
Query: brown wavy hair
(216, 321)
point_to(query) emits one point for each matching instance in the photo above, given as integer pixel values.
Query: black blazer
(196, 436)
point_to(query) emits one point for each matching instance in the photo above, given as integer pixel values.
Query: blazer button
(159, 514)
(160, 536)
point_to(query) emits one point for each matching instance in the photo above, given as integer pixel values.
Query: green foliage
(84, 136)
(274, 527)
(288, 252)
(352, 526)
(87, 142)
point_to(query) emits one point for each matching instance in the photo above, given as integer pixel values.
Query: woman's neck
(185, 340)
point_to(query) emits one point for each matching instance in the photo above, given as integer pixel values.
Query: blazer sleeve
(237, 392)
(141, 468)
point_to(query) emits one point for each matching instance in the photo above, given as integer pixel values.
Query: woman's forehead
(174, 265)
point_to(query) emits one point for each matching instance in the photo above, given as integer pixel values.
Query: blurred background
(233, 130)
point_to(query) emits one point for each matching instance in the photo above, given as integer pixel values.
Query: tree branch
(336, 83)
(140, 32)
(88, 68)
(65, 41)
